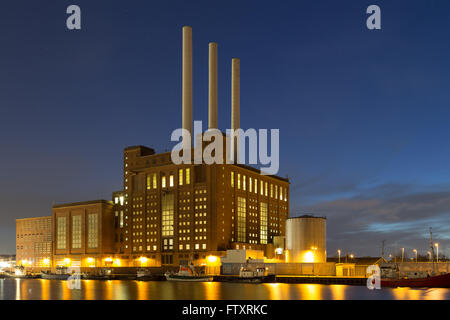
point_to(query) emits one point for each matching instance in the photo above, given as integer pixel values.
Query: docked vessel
(252, 276)
(54, 276)
(392, 277)
(186, 274)
(437, 281)
(61, 274)
(102, 274)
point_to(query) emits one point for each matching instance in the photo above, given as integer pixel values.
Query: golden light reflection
(338, 291)
(109, 291)
(435, 294)
(89, 289)
(66, 292)
(312, 292)
(17, 289)
(403, 293)
(212, 291)
(45, 289)
(274, 291)
(142, 289)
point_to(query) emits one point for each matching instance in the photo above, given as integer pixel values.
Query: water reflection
(36, 289)
(338, 291)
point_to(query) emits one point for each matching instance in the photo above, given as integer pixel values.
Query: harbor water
(40, 289)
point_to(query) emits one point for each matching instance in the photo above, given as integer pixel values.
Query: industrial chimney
(187, 80)
(235, 104)
(235, 93)
(213, 86)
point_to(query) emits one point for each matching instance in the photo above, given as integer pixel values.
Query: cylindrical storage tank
(306, 239)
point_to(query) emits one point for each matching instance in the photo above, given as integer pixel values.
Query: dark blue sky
(363, 115)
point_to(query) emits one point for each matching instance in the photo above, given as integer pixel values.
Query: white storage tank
(306, 239)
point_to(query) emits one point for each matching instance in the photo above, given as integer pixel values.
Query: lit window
(250, 184)
(180, 177)
(244, 178)
(121, 200)
(242, 211)
(155, 181)
(93, 230)
(148, 182)
(204, 246)
(256, 185)
(266, 189)
(263, 216)
(188, 246)
(232, 179)
(76, 232)
(171, 180)
(197, 246)
(167, 204)
(188, 176)
(276, 192)
(271, 190)
(116, 200)
(163, 181)
(239, 180)
(261, 188)
(61, 233)
(281, 193)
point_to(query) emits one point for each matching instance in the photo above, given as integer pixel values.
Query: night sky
(363, 115)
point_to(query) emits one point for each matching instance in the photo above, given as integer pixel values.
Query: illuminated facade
(34, 242)
(173, 214)
(83, 234)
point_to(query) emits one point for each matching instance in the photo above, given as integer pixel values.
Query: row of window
(263, 187)
(184, 177)
(92, 232)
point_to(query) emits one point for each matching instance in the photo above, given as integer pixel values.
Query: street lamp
(437, 251)
(339, 253)
(351, 256)
(403, 253)
(415, 250)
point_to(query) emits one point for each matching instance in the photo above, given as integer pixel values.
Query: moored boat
(436, 281)
(54, 276)
(187, 274)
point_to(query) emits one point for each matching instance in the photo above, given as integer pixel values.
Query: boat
(103, 274)
(432, 281)
(21, 273)
(61, 274)
(257, 275)
(391, 276)
(54, 276)
(187, 274)
(146, 275)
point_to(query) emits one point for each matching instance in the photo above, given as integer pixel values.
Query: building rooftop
(73, 204)
(307, 216)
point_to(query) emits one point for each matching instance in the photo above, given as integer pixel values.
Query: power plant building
(169, 214)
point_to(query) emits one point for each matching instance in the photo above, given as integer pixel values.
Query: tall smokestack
(235, 93)
(187, 79)
(235, 103)
(213, 86)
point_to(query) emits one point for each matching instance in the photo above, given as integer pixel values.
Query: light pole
(437, 251)
(416, 254)
(339, 253)
(403, 253)
(429, 253)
